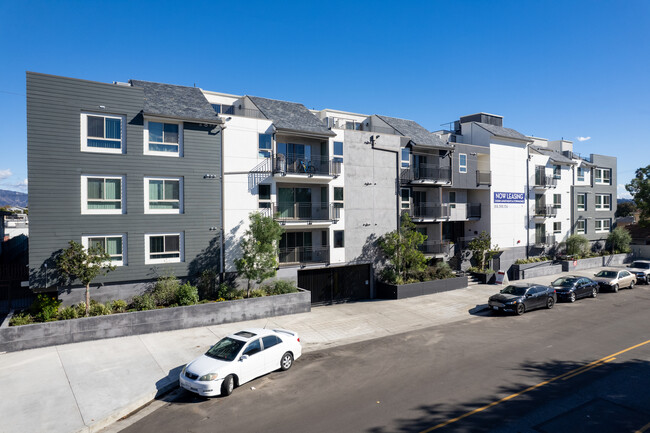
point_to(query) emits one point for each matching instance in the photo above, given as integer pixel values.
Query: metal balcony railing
(464, 211)
(483, 177)
(290, 255)
(473, 210)
(426, 172)
(429, 211)
(463, 242)
(308, 212)
(299, 164)
(545, 211)
(541, 240)
(435, 247)
(545, 181)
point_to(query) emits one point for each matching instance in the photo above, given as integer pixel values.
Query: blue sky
(553, 69)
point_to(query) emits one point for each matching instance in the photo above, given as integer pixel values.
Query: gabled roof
(291, 116)
(500, 131)
(416, 132)
(555, 156)
(178, 102)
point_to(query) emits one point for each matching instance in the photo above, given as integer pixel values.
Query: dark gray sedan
(519, 298)
(573, 287)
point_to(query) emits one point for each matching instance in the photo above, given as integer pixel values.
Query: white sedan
(240, 358)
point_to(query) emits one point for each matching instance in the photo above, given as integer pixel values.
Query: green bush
(45, 308)
(165, 290)
(117, 306)
(257, 293)
(280, 287)
(67, 313)
(143, 302)
(21, 319)
(577, 245)
(207, 285)
(80, 308)
(619, 240)
(187, 294)
(97, 309)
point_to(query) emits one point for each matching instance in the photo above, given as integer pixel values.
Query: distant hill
(623, 200)
(12, 198)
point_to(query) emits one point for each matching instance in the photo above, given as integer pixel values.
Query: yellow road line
(571, 373)
(644, 428)
(588, 368)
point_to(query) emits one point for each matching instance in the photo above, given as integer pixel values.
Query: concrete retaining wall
(143, 322)
(538, 269)
(391, 291)
(596, 262)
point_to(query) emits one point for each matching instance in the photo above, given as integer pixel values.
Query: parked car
(519, 298)
(614, 279)
(573, 287)
(641, 268)
(240, 358)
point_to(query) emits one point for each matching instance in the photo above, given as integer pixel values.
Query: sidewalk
(84, 387)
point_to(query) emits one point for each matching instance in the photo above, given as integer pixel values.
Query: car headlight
(514, 301)
(208, 377)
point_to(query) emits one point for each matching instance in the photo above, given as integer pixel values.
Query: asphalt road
(546, 371)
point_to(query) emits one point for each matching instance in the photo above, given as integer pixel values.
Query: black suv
(520, 298)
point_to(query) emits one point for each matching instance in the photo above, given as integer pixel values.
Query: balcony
(483, 177)
(297, 255)
(424, 212)
(305, 212)
(545, 181)
(426, 173)
(544, 240)
(544, 211)
(301, 165)
(464, 211)
(435, 247)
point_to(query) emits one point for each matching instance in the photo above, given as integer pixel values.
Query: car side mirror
(243, 358)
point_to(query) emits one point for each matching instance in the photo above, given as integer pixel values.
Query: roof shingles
(416, 132)
(502, 132)
(290, 116)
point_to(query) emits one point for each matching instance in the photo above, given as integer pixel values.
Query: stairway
(472, 280)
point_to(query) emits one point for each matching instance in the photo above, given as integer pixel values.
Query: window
(452, 199)
(264, 196)
(462, 163)
(223, 108)
(557, 172)
(102, 194)
(581, 174)
(102, 133)
(324, 238)
(406, 158)
(338, 197)
(265, 145)
(270, 341)
(602, 226)
(253, 348)
(338, 151)
(582, 201)
(164, 139)
(557, 201)
(602, 176)
(163, 248)
(353, 125)
(338, 239)
(603, 201)
(580, 227)
(163, 195)
(557, 227)
(406, 198)
(114, 245)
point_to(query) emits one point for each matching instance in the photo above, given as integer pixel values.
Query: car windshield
(564, 282)
(641, 265)
(226, 349)
(514, 290)
(606, 274)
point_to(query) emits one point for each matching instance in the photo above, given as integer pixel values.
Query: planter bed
(538, 269)
(394, 291)
(596, 262)
(143, 322)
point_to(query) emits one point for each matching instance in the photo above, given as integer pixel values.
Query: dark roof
(555, 156)
(415, 132)
(290, 116)
(502, 132)
(178, 102)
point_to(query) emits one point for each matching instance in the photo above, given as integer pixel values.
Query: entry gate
(336, 284)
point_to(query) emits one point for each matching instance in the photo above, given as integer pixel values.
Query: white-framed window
(406, 158)
(603, 201)
(602, 176)
(557, 201)
(557, 172)
(452, 199)
(265, 146)
(581, 201)
(163, 248)
(602, 225)
(557, 227)
(338, 151)
(163, 195)
(102, 194)
(580, 227)
(338, 197)
(103, 133)
(462, 163)
(264, 196)
(164, 138)
(581, 174)
(114, 245)
(405, 198)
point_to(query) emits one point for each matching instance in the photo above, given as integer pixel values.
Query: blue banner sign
(509, 197)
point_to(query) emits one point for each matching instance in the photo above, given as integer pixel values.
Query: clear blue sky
(552, 69)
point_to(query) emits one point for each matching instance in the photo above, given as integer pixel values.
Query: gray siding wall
(591, 214)
(56, 163)
(466, 180)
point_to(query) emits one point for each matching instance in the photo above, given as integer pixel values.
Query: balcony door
(294, 203)
(540, 233)
(540, 175)
(295, 247)
(295, 153)
(419, 203)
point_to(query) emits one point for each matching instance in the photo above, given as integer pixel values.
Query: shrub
(45, 308)
(165, 290)
(257, 293)
(442, 270)
(280, 287)
(619, 240)
(21, 319)
(143, 302)
(187, 294)
(67, 313)
(117, 306)
(97, 309)
(576, 245)
(80, 308)
(207, 285)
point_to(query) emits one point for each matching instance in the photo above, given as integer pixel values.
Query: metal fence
(423, 172)
(292, 211)
(299, 164)
(304, 255)
(429, 210)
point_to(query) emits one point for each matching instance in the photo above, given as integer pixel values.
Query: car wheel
(631, 284)
(615, 288)
(594, 292)
(227, 385)
(286, 362)
(572, 298)
(521, 309)
(550, 301)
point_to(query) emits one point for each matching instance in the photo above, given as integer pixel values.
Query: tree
(259, 259)
(639, 187)
(619, 240)
(625, 208)
(576, 245)
(401, 247)
(75, 262)
(482, 250)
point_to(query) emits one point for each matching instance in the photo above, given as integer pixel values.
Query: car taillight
(298, 339)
